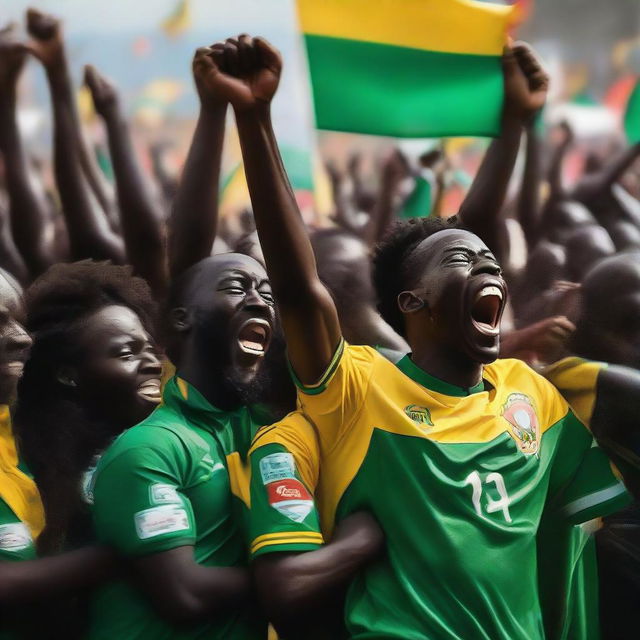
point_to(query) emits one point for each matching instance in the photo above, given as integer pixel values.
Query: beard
(271, 385)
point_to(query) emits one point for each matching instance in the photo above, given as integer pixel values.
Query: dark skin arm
(556, 188)
(529, 196)
(294, 586)
(10, 258)
(90, 234)
(614, 422)
(394, 169)
(141, 218)
(248, 77)
(34, 580)
(193, 221)
(525, 85)
(183, 591)
(28, 209)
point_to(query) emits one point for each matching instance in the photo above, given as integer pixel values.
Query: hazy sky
(82, 15)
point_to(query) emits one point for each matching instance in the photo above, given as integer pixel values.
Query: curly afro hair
(56, 435)
(391, 267)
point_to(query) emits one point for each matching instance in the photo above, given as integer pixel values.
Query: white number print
(491, 505)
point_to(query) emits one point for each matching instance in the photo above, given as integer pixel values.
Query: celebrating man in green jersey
(456, 453)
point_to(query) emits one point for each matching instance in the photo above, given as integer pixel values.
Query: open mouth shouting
(254, 337)
(486, 309)
(150, 390)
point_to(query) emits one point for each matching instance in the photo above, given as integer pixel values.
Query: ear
(179, 319)
(67, 376)
(409, 302)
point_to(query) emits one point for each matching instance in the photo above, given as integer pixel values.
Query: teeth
(489, 290)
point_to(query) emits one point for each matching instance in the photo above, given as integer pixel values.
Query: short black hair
(390, 274)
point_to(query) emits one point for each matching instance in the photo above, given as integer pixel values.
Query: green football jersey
(170, 481)
(459, 479)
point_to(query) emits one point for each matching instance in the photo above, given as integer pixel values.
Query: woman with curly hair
(93, 372)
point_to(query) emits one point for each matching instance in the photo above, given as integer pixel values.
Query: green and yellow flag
(406, 68)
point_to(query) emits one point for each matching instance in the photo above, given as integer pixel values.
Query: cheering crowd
(381, 428)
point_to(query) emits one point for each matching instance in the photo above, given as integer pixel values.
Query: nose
(253, 300)
(151, 363)
(18, 340)
(483, 265)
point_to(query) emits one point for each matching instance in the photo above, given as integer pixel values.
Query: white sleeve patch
(15, 537)
(277, 466)
(164, 494)
(160, 520)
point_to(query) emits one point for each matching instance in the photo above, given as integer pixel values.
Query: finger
(231, 62)
(245, 53)
(269, 56)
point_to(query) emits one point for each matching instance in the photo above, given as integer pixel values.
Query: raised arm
(193, 222)
(90, 234)
(556, 187)
(525, 91)
(28, 209)
(247, 74)
(140, 215)
(529, 196)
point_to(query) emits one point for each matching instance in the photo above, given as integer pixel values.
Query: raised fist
(526, 83)
(245, 71)
(46, 42)
(12, 57)
(104, 94)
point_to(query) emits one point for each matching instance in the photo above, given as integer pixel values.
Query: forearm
(616, 169)
(140, 218)
(529, 196)
(27, 208)
(383, 212)
(32, 580)
(193, 222)
(481, 210)
(89, 232)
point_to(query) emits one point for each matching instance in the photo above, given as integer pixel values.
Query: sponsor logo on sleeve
(519, 412)
(15, 537)
(277, 466)
(290, 498)
(163, 494)
(160, 520)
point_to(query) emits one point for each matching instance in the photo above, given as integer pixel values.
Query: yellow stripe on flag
(446, 26)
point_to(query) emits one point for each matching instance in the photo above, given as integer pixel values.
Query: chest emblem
(420, 415)
(518, 411)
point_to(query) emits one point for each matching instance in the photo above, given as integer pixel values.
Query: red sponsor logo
(289, 489)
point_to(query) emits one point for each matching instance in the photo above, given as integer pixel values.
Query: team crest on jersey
(518, 411)
(420, 415)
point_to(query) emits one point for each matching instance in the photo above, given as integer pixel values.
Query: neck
(453, 368)
(206, 381)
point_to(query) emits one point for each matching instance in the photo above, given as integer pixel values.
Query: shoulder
(294, 432)
(512, 377)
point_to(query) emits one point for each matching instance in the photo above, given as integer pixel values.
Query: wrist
(259, 112)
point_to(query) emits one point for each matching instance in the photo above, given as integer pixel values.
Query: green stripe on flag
(632, 116)
(418, 204)
(379, 89)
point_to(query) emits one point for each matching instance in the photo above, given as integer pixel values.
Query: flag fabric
(406, 68)
(418, 204)
(179, 20)
(632, 116)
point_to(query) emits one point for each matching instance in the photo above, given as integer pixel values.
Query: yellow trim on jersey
(239, 478)
(286, 537)
(320, 386)
(576, 379)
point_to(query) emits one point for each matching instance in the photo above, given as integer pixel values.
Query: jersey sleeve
(284, 475)
(333, 403)
(584, 483)
(16, 542)
(138, 506)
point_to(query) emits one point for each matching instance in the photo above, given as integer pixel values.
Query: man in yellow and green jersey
(456, 454)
